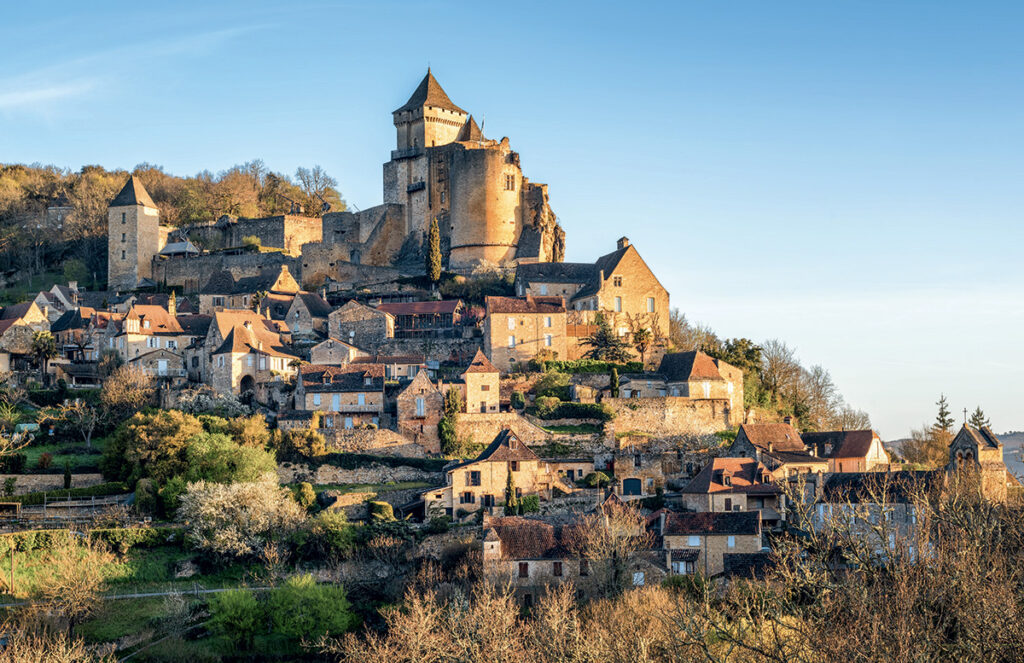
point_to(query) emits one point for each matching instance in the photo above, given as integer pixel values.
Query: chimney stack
(622, 243)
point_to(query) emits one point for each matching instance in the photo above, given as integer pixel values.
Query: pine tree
(511, 501)
(944, 419)
(433, 258)
(604, 344)
(978, 418)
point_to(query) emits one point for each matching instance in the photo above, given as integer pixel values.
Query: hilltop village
(495, 408)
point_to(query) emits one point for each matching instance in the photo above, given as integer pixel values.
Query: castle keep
(489, 215)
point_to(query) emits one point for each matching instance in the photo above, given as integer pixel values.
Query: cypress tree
(433, 258)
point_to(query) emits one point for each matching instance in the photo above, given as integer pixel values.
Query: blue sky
(845, 176)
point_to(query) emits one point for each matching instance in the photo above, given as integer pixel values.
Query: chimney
(622, 243)
(789, 420)
(661, 522)
(247, 324)
(72, 285)
(172, 305)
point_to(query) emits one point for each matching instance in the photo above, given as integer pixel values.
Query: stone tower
(133, 236)
(428, 119)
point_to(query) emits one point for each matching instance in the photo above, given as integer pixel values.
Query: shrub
(10, 483)
(553, 383)
(594, 366)
(13, 463)
(332, 536)
(45, 460)
(218, 458)
(599, 411)
(546, 406)
(67, 475)
(305, 495)
(529, 504)
(439, 525)
(381, 511)
(237, 616)
(349, 461)
(150, 445)
(123, 539)
(170, 495)
(596, 480)
(146, 500)
(303, 609)
(99, 490)
(518, 400)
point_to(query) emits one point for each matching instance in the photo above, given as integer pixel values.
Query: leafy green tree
(75, 270)
(433, 253)
(305, 495)
(150, 445)
(302, 609)
(237, 616)
(604, 343)
(978, 418)
(944, 419)
(218, 458)
(44, 348)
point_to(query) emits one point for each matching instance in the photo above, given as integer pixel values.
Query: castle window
(617, 281)
(548, 340)
(512, 324)
(511, 341)
(524, 569)
(650, 304)
(547, 321)
(122, 255)
(513, 465)
(543, 288)
(556, 569)
(510, 182)
(124, 217)
(442, 197)
(584, 567)
(123, 237)
(618, 304)
(485, 387)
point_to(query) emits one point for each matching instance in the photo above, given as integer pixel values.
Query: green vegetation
(80, 458)
(548, 408)
(433, 256)
(575, 429)
(593, 366)
(605, 344)
(99, 490)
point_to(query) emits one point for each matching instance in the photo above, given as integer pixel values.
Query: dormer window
(367, 381)
(145, 324)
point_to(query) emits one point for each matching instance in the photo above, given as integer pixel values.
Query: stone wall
(382, 442)
(368, 474)
(192, 273)
(483, 427)
(672, 416)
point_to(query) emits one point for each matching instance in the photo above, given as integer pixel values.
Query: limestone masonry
(490, 216)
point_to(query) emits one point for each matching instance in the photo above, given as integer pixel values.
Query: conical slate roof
(133, 194)
(469, 132)
(429, 93)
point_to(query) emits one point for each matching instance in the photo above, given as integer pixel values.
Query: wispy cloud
(29, 97)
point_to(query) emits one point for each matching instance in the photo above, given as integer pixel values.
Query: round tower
(485, 212)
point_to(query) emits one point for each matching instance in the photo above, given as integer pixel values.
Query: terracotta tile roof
(160, 321)
(529, 538)
(781, 437)
(261, 335)
(429, 93)
(746, 475)
(133, 193)
(840, 444)
(480, 364)
(685, 366)
(528, 304)
(385, 360)
(422, 308)
(731, 522)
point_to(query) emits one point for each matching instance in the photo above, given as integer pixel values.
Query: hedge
(348, 461)
(597, 411)
(121, 539)
(593, 366)
(99, 490)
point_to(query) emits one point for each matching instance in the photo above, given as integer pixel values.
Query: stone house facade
(481, 382)
(360, 325)
(978, 450)
(348, 396)
(736, 484)
(162, 364)
(133, 237)
(18, 323)
(419, 408)
(147, 327)
(780, 447)
(699, 542)
(241, 350)
(693, 375)
(848, 451)
(334, 352)
(517, 329)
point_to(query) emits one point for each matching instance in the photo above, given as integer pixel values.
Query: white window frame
(511, 324)
(693, 540)
(316, 399)
(549, 340)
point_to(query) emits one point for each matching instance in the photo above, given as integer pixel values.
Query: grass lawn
(579, 429)
(116, 619)
(77, 460)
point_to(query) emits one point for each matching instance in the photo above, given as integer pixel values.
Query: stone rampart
(672, 416)
(483, 427)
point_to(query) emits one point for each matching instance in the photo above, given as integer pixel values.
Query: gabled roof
(528, 304)
(470, 132)
(528, 538)
(729, 522)
(132, 194)
(315, 304)
(160, 321)
(261, 335)
(429, 93)
(77, 318)
(194, 324)
(781, 437)
(505, 447)
(982, 437)
(840, 444)
(480, 364)
(321, 378)
(747, 475)
(685, 366)
(179, 248)
(16, 311)
(557, 272)
(606, 264)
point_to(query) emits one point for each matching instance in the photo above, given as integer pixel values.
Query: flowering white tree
(239, 519)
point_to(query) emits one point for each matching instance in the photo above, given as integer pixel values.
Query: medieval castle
(490, 216)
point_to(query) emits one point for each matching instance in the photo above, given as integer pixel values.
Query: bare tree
(73, 580)
(126, 391)
(780, 371)
(610, 539)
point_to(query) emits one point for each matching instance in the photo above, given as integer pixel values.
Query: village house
(75, 333)
(222, 291)
(779, 446)
(430, 319)
(307, 315)
(419, 407)
(693, 375)
(736, 484)
(242, 349)
(699, 542)
(360, 325)
(620, 284)
(18, 323)
(517, 329)
(146, 328)
(348, 396)
(162, 364)
(979, 451)
(397, 368)
(481, 483)
(481, 385)
(334, 352)
(848, 450)
(58, 300)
